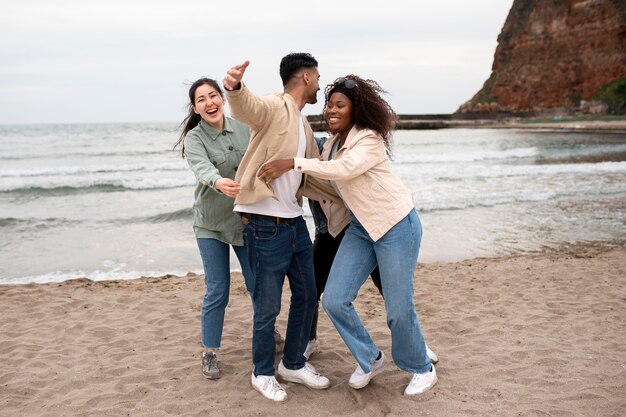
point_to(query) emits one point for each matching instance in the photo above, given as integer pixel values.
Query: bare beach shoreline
(531, 335)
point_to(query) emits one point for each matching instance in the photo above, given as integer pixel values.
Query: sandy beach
(540, 335)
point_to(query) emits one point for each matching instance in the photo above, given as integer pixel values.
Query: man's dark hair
(290, 64)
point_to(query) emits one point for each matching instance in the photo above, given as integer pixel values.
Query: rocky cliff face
(558, 55)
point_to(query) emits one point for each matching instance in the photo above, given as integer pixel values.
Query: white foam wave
(25, 184)
(97, 169)
(97, 275)
(426, 173)
(480, 155)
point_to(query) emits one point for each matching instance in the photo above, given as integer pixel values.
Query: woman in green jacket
(213, 145)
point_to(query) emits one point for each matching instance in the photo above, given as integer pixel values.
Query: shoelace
(211, 360)
(311, 370)
(273, 385)
(419, 376)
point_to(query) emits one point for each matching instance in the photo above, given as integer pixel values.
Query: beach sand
(538, 335)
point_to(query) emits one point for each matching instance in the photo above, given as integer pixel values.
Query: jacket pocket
(218, 160)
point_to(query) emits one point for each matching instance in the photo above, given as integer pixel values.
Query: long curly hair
(369, 109)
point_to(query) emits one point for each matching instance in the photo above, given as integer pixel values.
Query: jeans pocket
(265, 232)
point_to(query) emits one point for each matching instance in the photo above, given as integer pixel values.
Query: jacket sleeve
(364, 154)
(198, 159)
(248, 108)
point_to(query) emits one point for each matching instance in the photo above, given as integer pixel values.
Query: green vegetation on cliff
(614, 94)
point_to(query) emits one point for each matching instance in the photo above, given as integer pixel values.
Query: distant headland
(566, 56)
(543, 120)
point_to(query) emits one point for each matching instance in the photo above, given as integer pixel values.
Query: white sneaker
(307, 375)
(432, 355)
(360, 379)
(312, 347)
(269, 387)
(421, 382)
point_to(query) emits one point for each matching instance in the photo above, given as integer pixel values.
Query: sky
(95, 61)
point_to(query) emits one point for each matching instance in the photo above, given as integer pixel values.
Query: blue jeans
(276, 250)
(216, 262)
(396, 255)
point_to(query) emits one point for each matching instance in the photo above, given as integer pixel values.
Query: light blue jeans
(396, 255)
(216, 262)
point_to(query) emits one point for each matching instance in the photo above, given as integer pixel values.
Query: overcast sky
(70, 61)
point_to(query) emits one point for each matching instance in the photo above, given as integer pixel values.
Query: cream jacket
(274, 123)
(361, 169)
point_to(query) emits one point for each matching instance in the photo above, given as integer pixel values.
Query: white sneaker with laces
(307, 375)
(312, 347)
(360, 379)
(269, 387)
(432, 355)
(421, 382)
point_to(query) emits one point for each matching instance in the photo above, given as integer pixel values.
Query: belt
(246, 217)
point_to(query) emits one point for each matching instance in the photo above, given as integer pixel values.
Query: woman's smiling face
(209, 104)
(338, 114)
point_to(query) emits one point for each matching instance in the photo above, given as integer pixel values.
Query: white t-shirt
(285, 188)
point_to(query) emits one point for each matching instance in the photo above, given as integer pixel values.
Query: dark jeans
(325, 247)
(276, 250)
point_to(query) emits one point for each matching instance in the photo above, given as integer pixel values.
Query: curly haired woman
(385, 229)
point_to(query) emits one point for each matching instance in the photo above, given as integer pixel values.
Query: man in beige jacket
(276, 236)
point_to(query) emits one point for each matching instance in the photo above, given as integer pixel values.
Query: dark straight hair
(192, 118)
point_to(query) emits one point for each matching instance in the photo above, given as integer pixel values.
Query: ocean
(113, 201)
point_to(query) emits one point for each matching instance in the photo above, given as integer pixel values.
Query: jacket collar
(212, 132)
(331, 142)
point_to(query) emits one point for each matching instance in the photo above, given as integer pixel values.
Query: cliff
(563, 56)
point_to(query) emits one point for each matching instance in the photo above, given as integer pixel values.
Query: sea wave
(33, 224)
(17, 156)
(470, 156)
(497, 171)
(510, 198)
(96, 275)
(47, 188)
(97, 169)
(182, 214)
(561, 154)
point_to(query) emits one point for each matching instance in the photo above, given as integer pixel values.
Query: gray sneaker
(209, 366)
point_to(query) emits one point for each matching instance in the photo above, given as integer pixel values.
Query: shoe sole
(366, 382)
(218, 376)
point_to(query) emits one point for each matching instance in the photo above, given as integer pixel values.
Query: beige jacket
(361, 169)
(274, 124)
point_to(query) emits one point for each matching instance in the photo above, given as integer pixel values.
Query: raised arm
(233, 78)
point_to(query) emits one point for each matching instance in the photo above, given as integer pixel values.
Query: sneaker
(421, 382)
(432, 355)
(312, 347)
(278, 341)
(209, 366)
(269, 387)
(360, 379)
(307, 375)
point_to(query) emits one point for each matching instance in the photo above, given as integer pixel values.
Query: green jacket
(212, 155)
